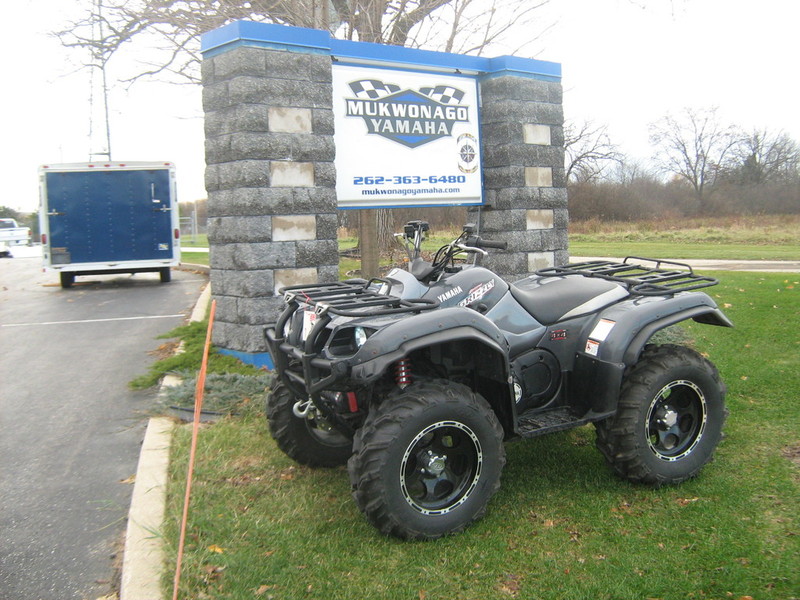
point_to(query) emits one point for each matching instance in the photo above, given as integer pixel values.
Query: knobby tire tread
(616, 435)
(373, 440)
(281, 422)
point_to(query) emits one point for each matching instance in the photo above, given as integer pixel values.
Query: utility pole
(99, 61)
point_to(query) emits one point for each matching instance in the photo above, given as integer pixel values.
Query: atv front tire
(307, 441)
(427, 460)
(669, 420)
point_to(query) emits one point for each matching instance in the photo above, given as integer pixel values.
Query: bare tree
(763, 157)
(470, 26)
(589, 151)
(629, 171)
(175, 26)
(694, 146)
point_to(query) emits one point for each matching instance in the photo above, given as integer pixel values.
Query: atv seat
(553, 299)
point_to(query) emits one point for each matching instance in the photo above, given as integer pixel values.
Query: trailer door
(110, 215)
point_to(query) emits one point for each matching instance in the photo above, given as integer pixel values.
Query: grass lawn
(562, 526)
(762, 238)
(200, 240)
(671, 250)
(195, 258)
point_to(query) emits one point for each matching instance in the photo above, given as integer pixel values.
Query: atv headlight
(346, 341)
(360, 336)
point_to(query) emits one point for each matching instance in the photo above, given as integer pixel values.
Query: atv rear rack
(354, 298)
(638, 279)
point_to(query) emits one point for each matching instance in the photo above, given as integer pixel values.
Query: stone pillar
(524, 177)
(271, 183)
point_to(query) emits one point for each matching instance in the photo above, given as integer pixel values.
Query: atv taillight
(352, 402)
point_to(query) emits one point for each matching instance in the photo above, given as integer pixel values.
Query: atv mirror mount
(413, 226)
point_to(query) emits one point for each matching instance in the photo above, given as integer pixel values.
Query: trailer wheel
(670, 417)
(67, 279)
(304, 440)
(427, 460)
(166, 274)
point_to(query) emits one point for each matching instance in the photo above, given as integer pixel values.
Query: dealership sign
(405, 138)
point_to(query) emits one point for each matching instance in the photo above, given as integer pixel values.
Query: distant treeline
(645, 198)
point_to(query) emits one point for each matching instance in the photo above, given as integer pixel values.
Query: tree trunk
(385, 229)
(368, 242)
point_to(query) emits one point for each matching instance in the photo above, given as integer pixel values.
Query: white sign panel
(405, 138)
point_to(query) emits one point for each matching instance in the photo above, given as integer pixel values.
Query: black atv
(416, 380)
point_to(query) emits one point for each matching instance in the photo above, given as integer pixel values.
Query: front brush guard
(349, 299)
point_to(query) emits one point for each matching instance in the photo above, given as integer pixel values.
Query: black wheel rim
(441, 467)
(676, 420)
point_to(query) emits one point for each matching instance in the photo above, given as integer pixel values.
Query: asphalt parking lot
(72, 428)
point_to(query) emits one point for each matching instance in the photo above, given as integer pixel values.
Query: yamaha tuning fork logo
(409, 117)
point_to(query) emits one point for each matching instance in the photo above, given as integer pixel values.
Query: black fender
(394, 341)
(614, 340)
(444, 326)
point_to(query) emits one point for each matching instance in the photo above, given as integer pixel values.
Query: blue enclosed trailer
(109, 218)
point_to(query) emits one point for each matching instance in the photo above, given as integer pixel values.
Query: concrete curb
(194, 267)
(143, 557)
(200, 308)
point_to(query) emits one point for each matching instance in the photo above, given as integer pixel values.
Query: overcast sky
(625, 64)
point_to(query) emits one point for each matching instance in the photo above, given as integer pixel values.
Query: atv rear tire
(670, 417)
(304, 440)
(427, 460)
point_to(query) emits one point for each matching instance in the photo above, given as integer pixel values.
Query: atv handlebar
(466, 248)
(468, 241)
(480, 243)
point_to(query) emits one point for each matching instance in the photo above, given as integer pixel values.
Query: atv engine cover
(538, 375)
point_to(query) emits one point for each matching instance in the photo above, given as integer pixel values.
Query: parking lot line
(92, 320)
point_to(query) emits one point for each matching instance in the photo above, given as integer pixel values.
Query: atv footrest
(535, 422)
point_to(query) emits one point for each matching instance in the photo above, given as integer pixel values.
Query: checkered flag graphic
(444, 94)
(372, 89)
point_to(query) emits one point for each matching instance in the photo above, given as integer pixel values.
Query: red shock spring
(402, 372)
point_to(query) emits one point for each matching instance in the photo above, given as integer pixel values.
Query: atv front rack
(353, 298)
(638, 279)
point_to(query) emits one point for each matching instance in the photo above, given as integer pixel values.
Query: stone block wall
(522, 135)
(271, 182)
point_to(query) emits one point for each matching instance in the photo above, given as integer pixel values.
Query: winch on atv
(417, 379)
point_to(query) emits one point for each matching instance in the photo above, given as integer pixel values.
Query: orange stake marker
(198, 406)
